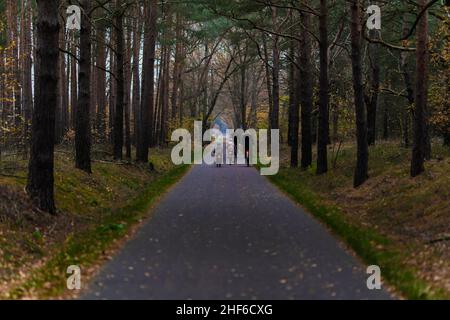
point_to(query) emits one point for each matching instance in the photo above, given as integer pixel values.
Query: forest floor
(394, 221)
(95, 212)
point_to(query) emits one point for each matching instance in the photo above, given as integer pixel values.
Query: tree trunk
(274, 119)
(27, 90)
(40, 185)
(14, 66)
(306, 90)
(127, 96)
(120, 86)
(83, 126)
(268, 76)
(243, 93)
(100, 122)
(420, 109)
(177, 68)
(295, 120)
(73, 81)
(291, 88)
(361, 171)
(409, 88)
(60, 109)
(372, 101)
(323, 133)
(112, 84)
(148, 80)
(136, 80)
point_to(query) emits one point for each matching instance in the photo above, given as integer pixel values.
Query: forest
(360, 96)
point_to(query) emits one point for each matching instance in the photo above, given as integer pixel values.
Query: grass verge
(106, 226)
(365, 227)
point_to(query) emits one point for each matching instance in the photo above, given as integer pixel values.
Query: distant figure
(218, 153)
(247, 151)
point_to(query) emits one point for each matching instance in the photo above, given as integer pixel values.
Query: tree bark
(420, 126)
(120, 86)
(73, 81)
(294, 120)
(147, 99)
(291, 87)
(112, 84)
(177, 68)
(100, 122)
(268, 76)
(306, 90)
(127, 95)
(83, 126)
(136, 79)
(274, 119)
(27, 90)
(40, 184)
(409, 88)
(361, 171)
(323, 133)
(372, 99)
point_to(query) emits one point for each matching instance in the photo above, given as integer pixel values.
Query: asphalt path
(228, 233)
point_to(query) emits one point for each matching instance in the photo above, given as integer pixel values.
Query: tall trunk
(180, 104)
(120, 86)
(274, 119)
(93, 82)
(82, 126)
(177, 68)
(148, 80)
(61, 90)
(100, 122)
(306, 90)
(268, 76)
(12, 33)
(136, 80)
(372, 100)
(409, 88)
(73, 81)
(154, 139)
(127, 95)
(112, 84)
(323, 133)
(242, 100)
(254, 85)
(291, 89)
(164, 97)
(64, 71)
(40, 184)
(294, 115)
(27, 90)
(420, 110)
(361, 171)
